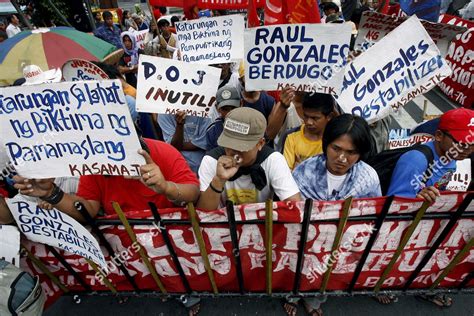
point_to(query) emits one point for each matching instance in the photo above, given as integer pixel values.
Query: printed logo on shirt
(443, 182)
(242, 196)
(236, 126)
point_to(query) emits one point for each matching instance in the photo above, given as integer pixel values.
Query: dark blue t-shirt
(264, 104)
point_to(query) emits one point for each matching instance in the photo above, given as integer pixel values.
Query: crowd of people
(254, 146)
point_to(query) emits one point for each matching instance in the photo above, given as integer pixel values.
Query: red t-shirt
(132, 194)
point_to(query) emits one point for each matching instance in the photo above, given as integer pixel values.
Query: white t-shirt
(335, 182)
(12, 30)
(243, 191)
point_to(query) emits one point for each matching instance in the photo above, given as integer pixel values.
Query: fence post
(337, 242)
(378, 224)
(401, 246)
(235, 245)
(268, 245)
(308, 207)
(141, 250)
(202, 245)
(166, 238)
(459, 256)
(37, 262)
(442, 236)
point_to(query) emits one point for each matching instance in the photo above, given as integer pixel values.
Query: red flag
(252, 16)
(303, 11)
(275, 12)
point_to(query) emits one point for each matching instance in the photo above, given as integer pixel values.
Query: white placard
(462, 177)
(10, 244)
(212, 40)
(140, 38)
(55, 228)
(167, 85)
(79, 70)
(69, 129)
(309, 57)
(410, 140)
(374, 26)
(398, 68)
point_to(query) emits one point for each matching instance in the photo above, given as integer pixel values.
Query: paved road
(406, 306)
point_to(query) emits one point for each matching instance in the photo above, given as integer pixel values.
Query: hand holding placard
(152, 175)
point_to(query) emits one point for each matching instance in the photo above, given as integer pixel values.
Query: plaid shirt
(110, 36)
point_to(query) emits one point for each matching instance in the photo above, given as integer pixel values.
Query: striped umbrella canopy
(47, 48)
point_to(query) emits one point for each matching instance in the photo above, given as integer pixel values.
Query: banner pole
(459, 256)
(141, 250)
(37, 262)
(401, 246)
(104, 277)
(337, 242)
(268, 245)
(202, 245)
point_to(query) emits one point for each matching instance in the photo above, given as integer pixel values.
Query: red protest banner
(287, 230)
(227, 4)
(459, 86)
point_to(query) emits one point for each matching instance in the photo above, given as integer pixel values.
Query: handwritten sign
(140, 38)
(398, 68)
(55, 228)
(459, 86)
(309, 57)
(374, 26)
(462, 177)
(79, 69)
(166, 85)
(10, 244)
(69, 129)
(410, 140)
(211, 41)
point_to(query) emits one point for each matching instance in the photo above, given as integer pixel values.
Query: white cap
(34, 75)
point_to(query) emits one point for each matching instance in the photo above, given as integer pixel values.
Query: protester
(142, 25)
(128, 64)
(152, 41)
(227, 99)
(258, 100)
(243, 169)
(128, 22)
(306, 141)
(3, 26)
(187, 134)
(168, 40)
(109, 32)
(454, 139)
(337, 174)
(3, 36)
(13, 27)
(98, 20)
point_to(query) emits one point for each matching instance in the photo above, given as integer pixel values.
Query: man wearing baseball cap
(227, 99)
(243, 169)
(454, 141)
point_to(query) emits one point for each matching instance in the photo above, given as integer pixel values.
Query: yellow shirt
(129, 90)
(299, 148)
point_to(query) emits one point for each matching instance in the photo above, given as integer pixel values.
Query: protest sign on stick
(309, 57)
(10, 244)
(374, 26)
(166, 85)
(55, 228)
(402, 65)
(69, 129)
(79, 70)
(140, 38)
(211, 41)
